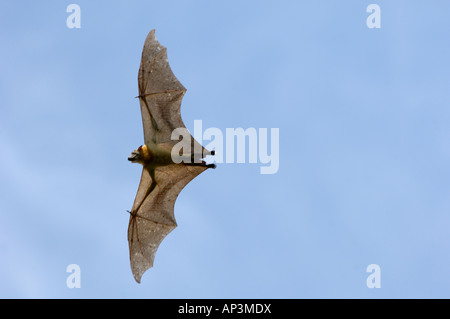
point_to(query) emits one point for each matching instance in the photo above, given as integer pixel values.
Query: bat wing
(152, 217)
(160, 95)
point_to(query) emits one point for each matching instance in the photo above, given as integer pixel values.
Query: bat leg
(203, 164)
(196, 157)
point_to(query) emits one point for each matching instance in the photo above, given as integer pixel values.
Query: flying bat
(166, 170)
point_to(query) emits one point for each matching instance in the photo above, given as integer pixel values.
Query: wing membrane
(152, 217)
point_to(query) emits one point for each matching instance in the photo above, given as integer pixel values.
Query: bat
(152, 215)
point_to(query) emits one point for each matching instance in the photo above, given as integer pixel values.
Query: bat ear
(140, 148)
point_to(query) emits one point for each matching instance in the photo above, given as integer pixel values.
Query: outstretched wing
(160, 95)
(152, 217)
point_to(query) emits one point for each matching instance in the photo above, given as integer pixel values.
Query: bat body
(152, 215)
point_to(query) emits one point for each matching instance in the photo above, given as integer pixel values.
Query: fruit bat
(152, 215)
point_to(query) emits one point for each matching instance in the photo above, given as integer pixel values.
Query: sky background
(364, 175)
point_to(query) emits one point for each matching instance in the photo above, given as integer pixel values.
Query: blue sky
(364, 173)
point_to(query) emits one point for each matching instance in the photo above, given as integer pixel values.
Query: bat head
(140, 155)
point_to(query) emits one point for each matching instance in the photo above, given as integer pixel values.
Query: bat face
(135, 156)
(140, 155)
